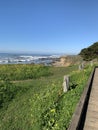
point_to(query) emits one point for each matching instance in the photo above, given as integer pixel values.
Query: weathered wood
(66, 83)
(91, 63)
(80, 67)
(92, 116)
(77, 122)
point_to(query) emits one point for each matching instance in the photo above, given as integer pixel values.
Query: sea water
(22, 58)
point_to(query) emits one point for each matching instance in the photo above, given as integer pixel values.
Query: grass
(40, 104)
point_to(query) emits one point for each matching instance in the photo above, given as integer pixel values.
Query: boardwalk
(91, 121)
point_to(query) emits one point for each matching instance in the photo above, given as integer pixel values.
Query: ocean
(23, 58)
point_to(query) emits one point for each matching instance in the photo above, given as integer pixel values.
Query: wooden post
(91, 63)
(80, 67)
(66, 84)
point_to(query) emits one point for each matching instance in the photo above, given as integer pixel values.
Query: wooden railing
(78, 118)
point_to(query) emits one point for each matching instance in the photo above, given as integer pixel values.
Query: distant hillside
(90, 53)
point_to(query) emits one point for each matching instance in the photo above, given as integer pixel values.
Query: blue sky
(59, 26)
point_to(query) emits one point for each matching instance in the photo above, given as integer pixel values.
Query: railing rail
(78, 117)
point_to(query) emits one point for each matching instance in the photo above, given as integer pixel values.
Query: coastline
(44, 59)
(67, 60)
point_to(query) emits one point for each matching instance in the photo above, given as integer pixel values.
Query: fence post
(91, 63)
(80, 67)
(66, 84)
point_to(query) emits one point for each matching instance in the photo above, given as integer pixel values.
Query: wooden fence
(78, 117)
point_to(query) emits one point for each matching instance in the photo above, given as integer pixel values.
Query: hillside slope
(90, 52)
(68, 61)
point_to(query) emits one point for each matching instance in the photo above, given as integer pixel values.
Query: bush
(21, 72)
(7, 92)
(59, 114)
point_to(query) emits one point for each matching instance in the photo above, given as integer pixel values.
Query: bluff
(90, 52)
(68, 60)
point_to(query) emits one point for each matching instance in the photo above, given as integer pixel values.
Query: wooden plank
(91, 127)
(91, 121)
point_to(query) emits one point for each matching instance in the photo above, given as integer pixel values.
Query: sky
(48, 26)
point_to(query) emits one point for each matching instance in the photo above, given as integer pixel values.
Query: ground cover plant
(39, 103)
(23, 71)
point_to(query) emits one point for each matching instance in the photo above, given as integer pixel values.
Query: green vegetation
(39, 102)
(90, 53)
(23, 71)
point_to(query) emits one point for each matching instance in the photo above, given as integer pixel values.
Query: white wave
(26, 56)
(15, 59)
(33, 57)
(3, 61)
(55, 56)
